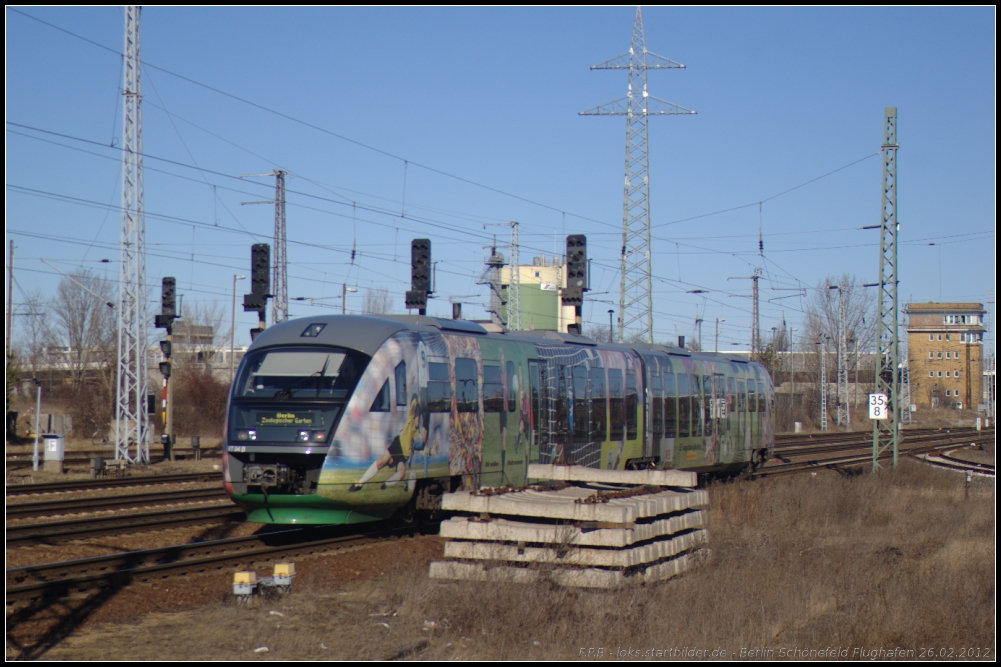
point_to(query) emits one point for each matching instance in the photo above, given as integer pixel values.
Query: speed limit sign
(878, 407)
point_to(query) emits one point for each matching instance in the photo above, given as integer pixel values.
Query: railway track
(85, 455)
(913, 445)
(945, 460)
(36, 582)
(847, 442)
(110, 482)
(102, 503)
(56, 532)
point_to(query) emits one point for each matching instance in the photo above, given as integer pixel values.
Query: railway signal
(420, 275)
(165, 320)
(168, 310)
(576, 270)
(260, 285)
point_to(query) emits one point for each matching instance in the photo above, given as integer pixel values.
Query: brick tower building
(945, 354)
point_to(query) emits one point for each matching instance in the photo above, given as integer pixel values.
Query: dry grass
(902, 559)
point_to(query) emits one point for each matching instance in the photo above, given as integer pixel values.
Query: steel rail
(109, 482)
(100, 503)
(140, 566)
(54, 532)
(832, 463)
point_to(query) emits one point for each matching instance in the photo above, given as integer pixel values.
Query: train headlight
(319, 436)
(242, 435)
(252, 434)
(304, 436)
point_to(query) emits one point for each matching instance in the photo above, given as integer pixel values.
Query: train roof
(366, 333)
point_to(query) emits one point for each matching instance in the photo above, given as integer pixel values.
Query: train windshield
(292, 395)
(298, 374)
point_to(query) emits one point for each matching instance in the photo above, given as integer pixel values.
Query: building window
(931, 355)
(940, 373)
(948, 336)
(940, 354)
(948, 392)
(940, 336)
(931, 336)
(931, 374)
(948, 373)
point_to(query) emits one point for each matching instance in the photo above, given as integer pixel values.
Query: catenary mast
(636, 290)
(131, 418)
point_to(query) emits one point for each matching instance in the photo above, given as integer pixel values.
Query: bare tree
(377, 301)
(598, 333)
(822, 315)
(820, 335)
(36, 335)
(85, 324)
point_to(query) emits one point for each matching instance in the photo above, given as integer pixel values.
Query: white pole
(232, 332)
(38, 426)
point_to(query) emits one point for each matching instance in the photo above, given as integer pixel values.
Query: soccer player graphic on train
(411, 438)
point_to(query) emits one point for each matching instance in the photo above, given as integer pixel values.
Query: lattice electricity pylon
(279, 304)
(131, 418)
(755, 321)
(636, 291)
(844, 414)
(279, 277)
(886, 432)
(822, 346)
(513, 320)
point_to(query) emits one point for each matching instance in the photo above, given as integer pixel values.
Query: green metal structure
(886, 432)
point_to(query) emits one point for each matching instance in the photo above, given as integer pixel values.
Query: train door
(579, 451)
(514, 454)
(752, 412)
(655, 408)
(538, 417)
(719, 412)
(599, 413)
(550, 399)
(438, 398)
(494, 421)
(742, 439)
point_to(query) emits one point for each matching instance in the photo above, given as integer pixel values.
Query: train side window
(670, 406)
(752, 400)
(596, 380)
(695, 383)
(657, 398)
(741, 396)
(762, 397)
(512, 392)
(401, 383)
(730, 395)
(439, 388)
(632, 405)
(466, 390)
(493, 389)
(381, 402)
(617, 407)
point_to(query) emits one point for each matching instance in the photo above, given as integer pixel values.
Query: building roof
(936, 307)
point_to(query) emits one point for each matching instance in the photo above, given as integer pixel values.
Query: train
(343, 419)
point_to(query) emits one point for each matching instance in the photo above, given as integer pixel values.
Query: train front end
(290, 395)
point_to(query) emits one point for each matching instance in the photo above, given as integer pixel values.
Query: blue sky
(458, 99)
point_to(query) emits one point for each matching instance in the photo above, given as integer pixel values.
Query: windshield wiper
(287, 391)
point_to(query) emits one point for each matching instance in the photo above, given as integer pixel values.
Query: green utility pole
(886, 432)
